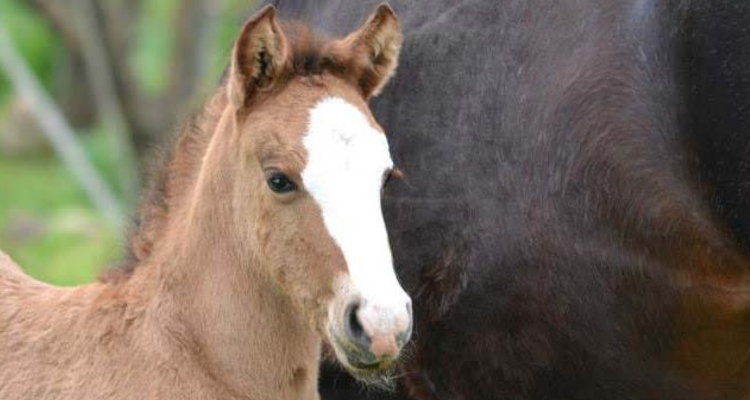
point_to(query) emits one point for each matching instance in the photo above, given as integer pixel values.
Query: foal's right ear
(374, 50)
(258, 57)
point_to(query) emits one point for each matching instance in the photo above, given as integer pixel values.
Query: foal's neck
(237, 327)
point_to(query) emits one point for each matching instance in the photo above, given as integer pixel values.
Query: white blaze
(347, 158)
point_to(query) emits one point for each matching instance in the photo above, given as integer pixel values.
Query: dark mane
(173, 168)
(309, 53)
(178, 162)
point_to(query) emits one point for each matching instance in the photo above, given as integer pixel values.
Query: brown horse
(263, 239)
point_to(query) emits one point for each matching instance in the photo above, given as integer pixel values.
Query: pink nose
(382, 346)
(380, 330)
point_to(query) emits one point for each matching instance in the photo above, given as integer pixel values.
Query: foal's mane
(180, 160)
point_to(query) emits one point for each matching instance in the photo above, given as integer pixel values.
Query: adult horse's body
(575, 218)
(262, 239)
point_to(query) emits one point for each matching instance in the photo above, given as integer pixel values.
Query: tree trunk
(196, 26)
(101, 76)
(146, 117)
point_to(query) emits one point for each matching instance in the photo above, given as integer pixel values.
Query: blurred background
(87, 89)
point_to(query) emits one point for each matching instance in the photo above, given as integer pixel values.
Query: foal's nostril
(354, 328)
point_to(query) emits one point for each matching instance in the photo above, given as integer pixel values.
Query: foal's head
(309, 162)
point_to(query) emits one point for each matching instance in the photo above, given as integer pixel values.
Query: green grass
(47, 224)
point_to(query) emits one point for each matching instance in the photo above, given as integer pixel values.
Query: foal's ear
(374, 48)
(258, 57)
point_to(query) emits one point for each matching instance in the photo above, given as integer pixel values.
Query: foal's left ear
(258, 57)
(374, 49)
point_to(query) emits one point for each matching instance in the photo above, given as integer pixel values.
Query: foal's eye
(280, 183)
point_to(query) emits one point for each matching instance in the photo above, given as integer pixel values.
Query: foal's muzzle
(376, 333)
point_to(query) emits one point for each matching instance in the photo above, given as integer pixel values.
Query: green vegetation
(32, 36)
(46, 223)
(156, 43)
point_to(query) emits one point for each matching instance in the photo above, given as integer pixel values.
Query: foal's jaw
(348, 158)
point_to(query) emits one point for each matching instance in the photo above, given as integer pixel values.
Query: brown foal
(264, 240)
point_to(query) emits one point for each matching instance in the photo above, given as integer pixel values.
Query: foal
(267, 239)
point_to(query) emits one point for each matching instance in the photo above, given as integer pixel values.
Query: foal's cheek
(263, 222)
(249, 218)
